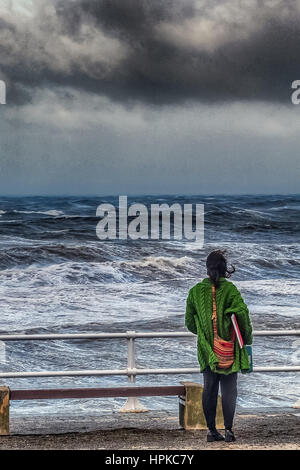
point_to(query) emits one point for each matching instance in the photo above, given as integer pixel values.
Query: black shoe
(214, 435)
(229, 436)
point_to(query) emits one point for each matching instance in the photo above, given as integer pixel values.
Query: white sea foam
(52, 212)
(161, 262)
(270, 287)
(280, 208)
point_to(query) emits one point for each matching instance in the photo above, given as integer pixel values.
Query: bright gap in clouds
(73, 110)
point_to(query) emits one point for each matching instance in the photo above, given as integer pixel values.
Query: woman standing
(209, 307)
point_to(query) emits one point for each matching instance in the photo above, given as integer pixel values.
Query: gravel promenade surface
(279, 430)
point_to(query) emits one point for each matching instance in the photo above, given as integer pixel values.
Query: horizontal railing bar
(166, 390)
(177, 371)
(276, 369)
(63, 336)
(163, 334)
(195, 370)
(276, 332)
(64, 373)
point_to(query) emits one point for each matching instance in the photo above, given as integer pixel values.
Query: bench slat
(59, 393)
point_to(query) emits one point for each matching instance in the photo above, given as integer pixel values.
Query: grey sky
(132, 96)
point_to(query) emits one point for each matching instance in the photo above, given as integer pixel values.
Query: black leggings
(210, 397)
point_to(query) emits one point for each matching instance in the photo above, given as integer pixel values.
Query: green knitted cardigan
(198, 320)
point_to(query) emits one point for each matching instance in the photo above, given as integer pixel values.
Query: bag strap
(214, 314)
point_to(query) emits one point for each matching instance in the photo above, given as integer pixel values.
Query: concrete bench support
(191, 414)
(4, 411)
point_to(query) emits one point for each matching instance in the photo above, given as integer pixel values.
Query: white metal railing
(131, 371)
(132, 403)
(130, 334)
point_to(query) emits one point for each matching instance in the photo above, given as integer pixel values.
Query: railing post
(2, 351)
(132, 404)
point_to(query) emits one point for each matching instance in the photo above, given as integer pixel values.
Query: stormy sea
(57, 276)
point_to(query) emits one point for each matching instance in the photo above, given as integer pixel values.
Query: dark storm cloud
(129, 19)
(157, 56)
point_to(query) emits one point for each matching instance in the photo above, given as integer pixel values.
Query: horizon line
(144, 194)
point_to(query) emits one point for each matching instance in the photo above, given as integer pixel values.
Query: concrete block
(4, 411)
(191, 415)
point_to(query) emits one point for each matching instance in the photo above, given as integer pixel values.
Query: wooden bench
(189, 393)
